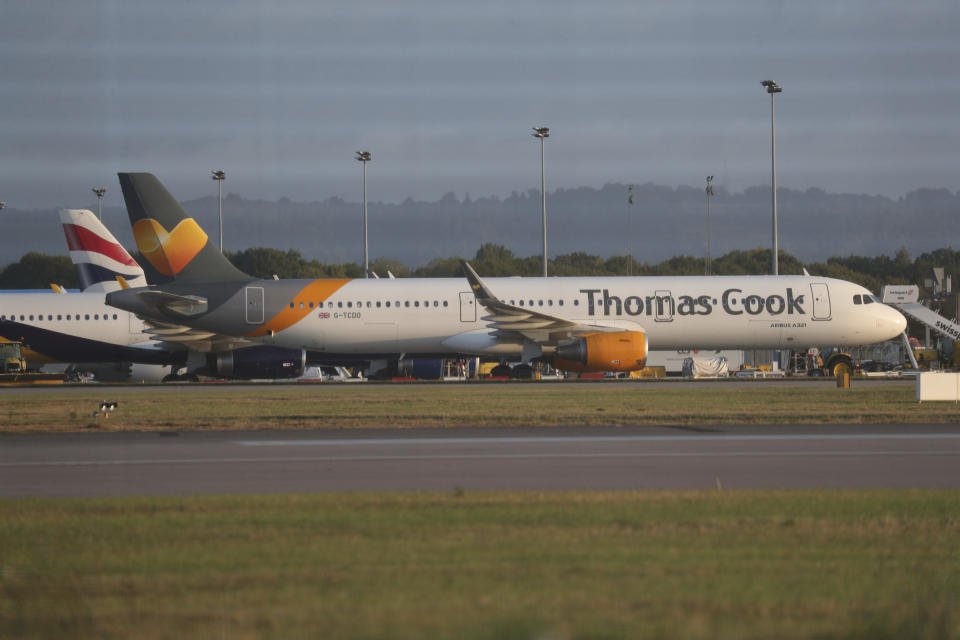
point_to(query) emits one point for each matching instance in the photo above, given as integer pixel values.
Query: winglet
(480, 290)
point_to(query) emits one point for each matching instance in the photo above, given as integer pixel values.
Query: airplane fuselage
(75, 327)
(441, 315)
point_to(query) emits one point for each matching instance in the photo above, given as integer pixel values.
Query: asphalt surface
(755, 457)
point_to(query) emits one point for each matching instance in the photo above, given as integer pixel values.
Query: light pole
(219, 175)
(99, 191)
(708, 263)
(629, 230)
(365, 157)
(773, 88)
(543, 132)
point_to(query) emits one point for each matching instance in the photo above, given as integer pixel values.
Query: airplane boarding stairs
(906, 300)
(930, 318)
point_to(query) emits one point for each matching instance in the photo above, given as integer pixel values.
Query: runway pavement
(757, 457)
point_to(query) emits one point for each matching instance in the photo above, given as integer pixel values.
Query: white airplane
(579, 324)
(72, 327)
(78, 327)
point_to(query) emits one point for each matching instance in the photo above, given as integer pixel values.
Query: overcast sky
(443, 93)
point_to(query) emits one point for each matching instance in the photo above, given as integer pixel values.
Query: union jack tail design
(96, 254)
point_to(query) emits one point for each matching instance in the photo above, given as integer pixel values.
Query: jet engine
(257, 362)
(421, 368)
(616, 351)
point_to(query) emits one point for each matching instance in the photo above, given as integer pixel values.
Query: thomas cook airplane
(577, 323)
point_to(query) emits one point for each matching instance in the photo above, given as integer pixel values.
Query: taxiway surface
(755, 457)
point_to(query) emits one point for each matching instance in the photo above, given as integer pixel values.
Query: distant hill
(665, 222)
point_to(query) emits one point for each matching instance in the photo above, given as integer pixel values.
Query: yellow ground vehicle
(821, 362)
(13, 367)
(11, 358)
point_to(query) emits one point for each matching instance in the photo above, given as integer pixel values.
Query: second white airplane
(579, 324)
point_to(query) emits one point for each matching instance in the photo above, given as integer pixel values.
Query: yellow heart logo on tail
(169, 251)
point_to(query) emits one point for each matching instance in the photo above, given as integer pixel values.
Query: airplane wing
(195, 339)
(510, 321)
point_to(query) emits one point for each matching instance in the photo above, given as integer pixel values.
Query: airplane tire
(501, 371)
(522, 372)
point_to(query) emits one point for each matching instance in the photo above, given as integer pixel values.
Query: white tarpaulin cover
(715, 367)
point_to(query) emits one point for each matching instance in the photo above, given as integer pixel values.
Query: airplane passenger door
(821, 300)
(254, 305)
(664, 306)
(136, 324)
(468, 307)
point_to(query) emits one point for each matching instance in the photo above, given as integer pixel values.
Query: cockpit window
(857, 300)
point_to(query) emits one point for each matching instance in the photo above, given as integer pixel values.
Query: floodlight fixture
(219, 175)
(365, 157)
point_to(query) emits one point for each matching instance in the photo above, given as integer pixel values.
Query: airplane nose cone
(892, 322)
(901, 322)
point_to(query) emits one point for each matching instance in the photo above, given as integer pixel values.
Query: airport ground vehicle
(820, 362)
(11, 358)
(13, 367)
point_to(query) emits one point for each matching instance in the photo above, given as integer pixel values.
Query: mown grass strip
(364, 406)
(785, 564)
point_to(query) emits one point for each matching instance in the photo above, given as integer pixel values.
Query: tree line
(38, 271)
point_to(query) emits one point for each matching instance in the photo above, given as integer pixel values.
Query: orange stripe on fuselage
(316, 291)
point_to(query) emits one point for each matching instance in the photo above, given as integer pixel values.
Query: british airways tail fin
(169, 239)
(97, 256)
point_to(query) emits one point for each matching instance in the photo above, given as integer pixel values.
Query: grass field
(476, 405)
(828, 564)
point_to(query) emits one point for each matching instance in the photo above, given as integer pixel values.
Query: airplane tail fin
(169, 239)
(97, 256)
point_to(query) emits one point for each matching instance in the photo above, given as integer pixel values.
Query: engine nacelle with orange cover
(616, 351)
